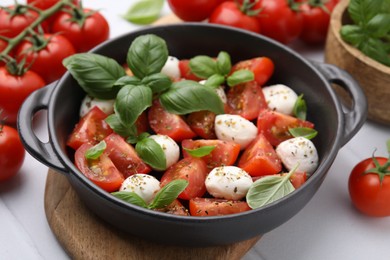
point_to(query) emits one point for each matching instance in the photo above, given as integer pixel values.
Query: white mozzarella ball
(170, 148)
(220, 92)
(280, 98)
(235, 128)
(144, 185)
(171, 68)
(228, 182)
(107, 106)
(298, 150)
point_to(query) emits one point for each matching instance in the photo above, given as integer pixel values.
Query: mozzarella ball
(235, 128)
(228, 182)
(170, 148)
(298, 150)
(171, 68)
(280, 98)
(107, 106)
(144, 185)
(220, 92)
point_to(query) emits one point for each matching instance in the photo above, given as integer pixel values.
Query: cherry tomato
(84, 28)
(203, 207)
(192, 169)
(260, 158)
(235, 15)
(279, 21)
(175, 208)
(369, 186)
(100, 171)
(194, 10)
(12, 152)
(202, 123)
(185, 71)
(14, 90)
(262, 68)
(44, 55)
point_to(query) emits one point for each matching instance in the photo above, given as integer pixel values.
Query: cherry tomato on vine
(45, 4)
(12, 152)
(194, 10)
(369, 186)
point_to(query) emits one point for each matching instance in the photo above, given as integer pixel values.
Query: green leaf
(240, 76)
(116, 124)
(307, 132)
(353, 34)
(300, 108)
(201, 151)
(215, 81)
(130, 197)
(224, 64)
(95, 151)
(379, 25)
(375, 49)
(362, 11)
(131, 101)
(188, 96)
(158, 82)
(95, 73)
(203, 66)
(168, 194)
(144, 11)
(147, 55)
(385, 7)
(128, 80)
(151, 153)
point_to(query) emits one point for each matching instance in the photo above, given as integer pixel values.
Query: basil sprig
(95, 151)
(300, 108)
(151, 153)
(307, 132)
(201, 151)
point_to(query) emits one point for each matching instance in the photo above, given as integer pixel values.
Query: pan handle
(354, 116)
(41, 151)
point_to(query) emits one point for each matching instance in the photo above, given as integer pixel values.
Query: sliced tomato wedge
(90, 129)
(175, 208)
(185, 71)
(101, 171)
(275, 126)
(203, 207)
(262, 68)
(202, 123)
(260, 158)
(194, 170)
(124, 156)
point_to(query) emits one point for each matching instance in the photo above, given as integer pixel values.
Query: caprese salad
(199, 137)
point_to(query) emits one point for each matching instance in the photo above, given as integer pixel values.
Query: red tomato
(3, 45)
(275, 126)
(235, 15)
(14, 90)
(124, 156)
(224, 153)
(194, 170)
(260, 158)
(12, 152)
(142, 124)
(316, 18)
(165, 123)
(246, 100)
(175, 208)
(203, 207)
(84, 28)
(185, 71)
(100, 171)
(369, 194)
(202, 123)
(90, 129)
(298, 179)
(194, 10)
(279, 21)
(45, 56)
(262, 68)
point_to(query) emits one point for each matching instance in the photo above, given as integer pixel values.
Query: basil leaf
(147, 55)
(131, 101)
(116, 124)
(307, 132)
(95, 151)
(300, 108)
(95, 73)
(188, 96)
(362, 11)
(353, 34)
(375, 49)
(201, 151)
(168, 194)
(127, 80)
(224, 64)
(130, 197)
(240, 76)
(144, 12)
(379, 25)
(158, 82)
(215, 81)
(385, 6)
(151, 153)
(203, 66)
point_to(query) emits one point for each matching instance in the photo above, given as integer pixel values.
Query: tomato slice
(175, 208)
(260, 158)
(275, 126)
(224, 153)
(90, 129)
(202, 123)
(203, 207)
(100, 171)
(185, 71)
(262, 68)
(194, 170)
(165, 123)
(298, 179)
(142, 123)
(124, 156)
(246, 100)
